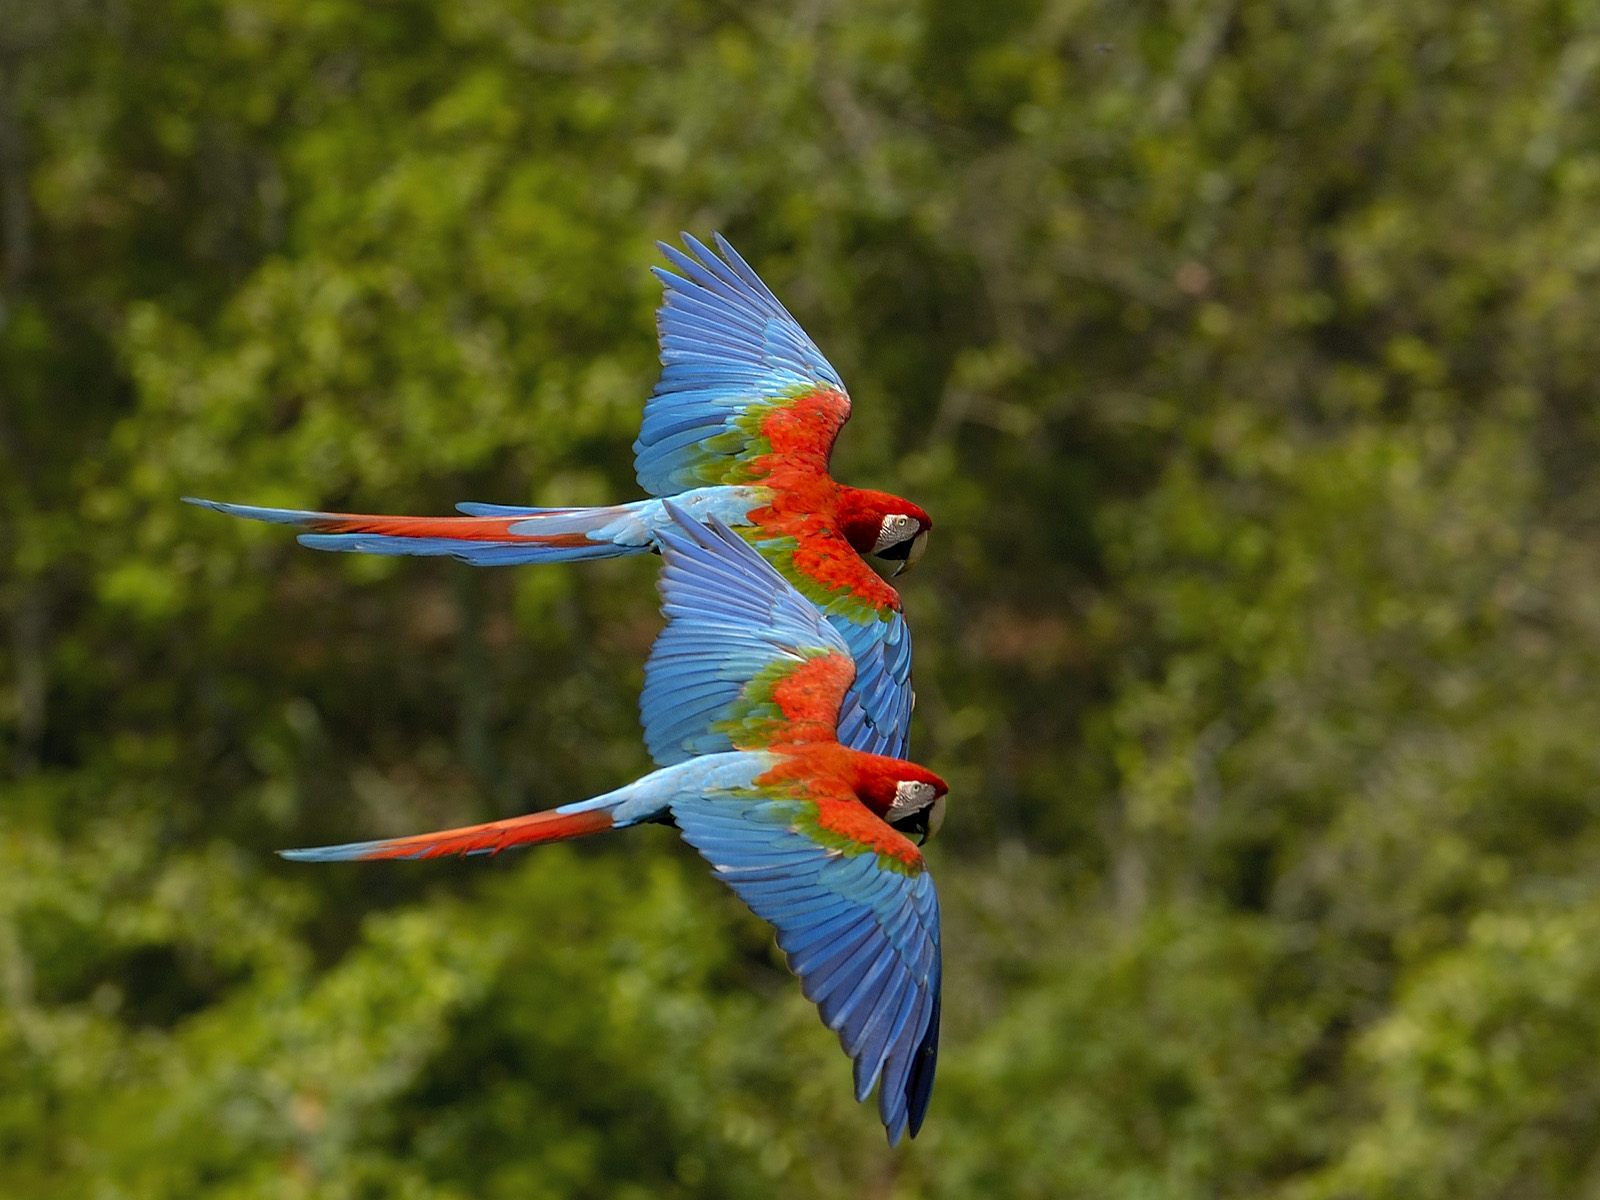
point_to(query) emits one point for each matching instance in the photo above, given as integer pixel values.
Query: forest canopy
(1245, 356)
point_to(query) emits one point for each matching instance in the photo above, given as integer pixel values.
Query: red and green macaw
(740, 427)
(741, 704)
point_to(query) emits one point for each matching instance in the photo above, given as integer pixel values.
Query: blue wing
(860, 928)
(730, 353)
(876, 716)
(735, 631)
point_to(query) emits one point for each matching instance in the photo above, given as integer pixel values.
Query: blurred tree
(1244, 355)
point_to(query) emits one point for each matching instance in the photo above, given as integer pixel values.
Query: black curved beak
(915, 825)
(906, 553)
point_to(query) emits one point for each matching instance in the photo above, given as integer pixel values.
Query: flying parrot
(740, 706)
(740, 428)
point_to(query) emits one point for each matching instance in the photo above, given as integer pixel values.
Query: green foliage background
(1246, 355)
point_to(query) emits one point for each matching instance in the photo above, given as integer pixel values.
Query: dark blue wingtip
(919, 1088)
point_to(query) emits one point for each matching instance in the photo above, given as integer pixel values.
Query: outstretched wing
(858, 918)
(742, 387)
(745, 661)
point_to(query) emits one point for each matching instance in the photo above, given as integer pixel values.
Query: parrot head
(908, 797)
(885, 526)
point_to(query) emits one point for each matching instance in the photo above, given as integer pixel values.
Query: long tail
(646, 799)
(507, 538)
(552, 826)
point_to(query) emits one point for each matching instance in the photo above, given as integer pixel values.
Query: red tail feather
(468, 529)
(461, 529)
(493, 837)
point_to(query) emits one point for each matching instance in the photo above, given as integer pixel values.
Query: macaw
(740, 428)
(740, 706)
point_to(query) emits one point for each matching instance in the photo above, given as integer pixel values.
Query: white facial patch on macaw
(910, 796)
(892, 530)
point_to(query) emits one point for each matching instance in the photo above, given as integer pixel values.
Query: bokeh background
(1247, 357)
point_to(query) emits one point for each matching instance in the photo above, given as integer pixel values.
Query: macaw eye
(910, 797)
(913, 814)
(894, 531)
(911, 792)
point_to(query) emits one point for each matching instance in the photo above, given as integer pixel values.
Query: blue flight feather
(727, 344)
(873, 970)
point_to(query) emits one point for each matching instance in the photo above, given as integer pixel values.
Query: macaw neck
(873, 781)
(874, 778)
(871, 777)
(821, 560)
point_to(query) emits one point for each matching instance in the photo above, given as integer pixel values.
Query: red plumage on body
(827, 767)
(833, 525)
